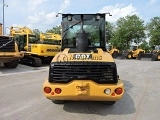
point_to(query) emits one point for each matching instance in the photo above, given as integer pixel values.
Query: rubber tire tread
(114, 55)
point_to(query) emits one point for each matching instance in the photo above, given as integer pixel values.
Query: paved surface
(20, 69)
(21, 96)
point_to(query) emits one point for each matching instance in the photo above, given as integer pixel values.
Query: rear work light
(107, 91)
(58, 90)
(118, 91)
(47, 90)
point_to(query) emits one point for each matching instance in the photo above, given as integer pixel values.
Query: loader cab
(157, 47)
(83, 32)
(134, 47)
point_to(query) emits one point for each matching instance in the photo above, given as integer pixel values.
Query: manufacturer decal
(52, 50)
(85, 57)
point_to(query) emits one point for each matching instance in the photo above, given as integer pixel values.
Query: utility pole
(3, 15)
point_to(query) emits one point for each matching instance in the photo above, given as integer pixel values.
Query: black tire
(140, 56)
(114, 55)
(109, 102)
(154, 57)
(58, 101)
(129, 56)
(12, 64)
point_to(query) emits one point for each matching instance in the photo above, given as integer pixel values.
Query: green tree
(56, 30)
(145, 46)
(117, 41)
(153, 28)
(128, 29)
(93, 33)
(37, 33)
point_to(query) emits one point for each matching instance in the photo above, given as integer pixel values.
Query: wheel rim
(129, 56)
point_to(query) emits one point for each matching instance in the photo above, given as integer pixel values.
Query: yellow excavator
(50, 37)
(154, 55)
(35, 51)
(83, 70)
(134, 52)
(112, 50)
(9, 52)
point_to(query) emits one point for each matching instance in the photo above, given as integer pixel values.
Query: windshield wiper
(72, 26)
(68, 29)
(6, 43)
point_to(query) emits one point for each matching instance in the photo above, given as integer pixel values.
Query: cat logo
(82, 56)
(85, 57)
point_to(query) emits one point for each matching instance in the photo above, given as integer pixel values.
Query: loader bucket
(145, 56)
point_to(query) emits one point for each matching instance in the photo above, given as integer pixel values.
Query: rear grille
(7, 44)
(99, 72)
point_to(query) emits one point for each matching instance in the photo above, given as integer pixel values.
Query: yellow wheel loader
(112, 51)
(83, 70)
(35, 51)
(9, 53)
(154, 55)
(134, 52)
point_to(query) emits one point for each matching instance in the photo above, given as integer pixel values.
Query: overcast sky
(41, 14)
